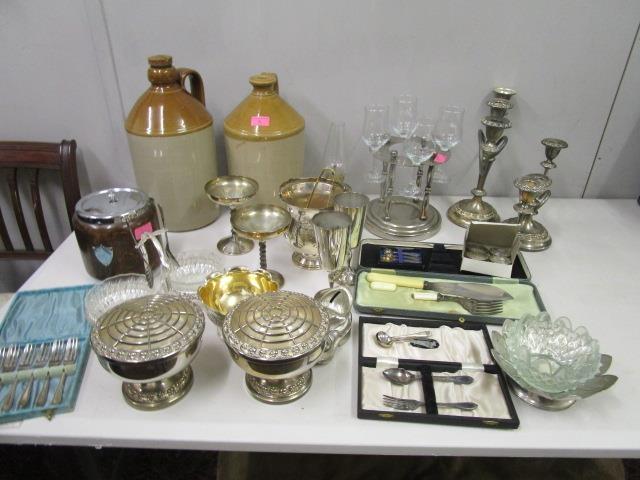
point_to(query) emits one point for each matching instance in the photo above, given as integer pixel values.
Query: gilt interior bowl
(550, 363)
(276, 338)
(149, 343)
(222, 291)
(113, 291)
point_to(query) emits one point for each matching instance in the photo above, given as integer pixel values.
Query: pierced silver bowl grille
(148, 328)
(275, 326)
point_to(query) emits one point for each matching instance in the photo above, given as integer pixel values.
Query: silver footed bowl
(276, 338)
(149, 343)
(549, 363)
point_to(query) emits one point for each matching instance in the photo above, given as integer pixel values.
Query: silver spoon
(385, 340)
(402, 376)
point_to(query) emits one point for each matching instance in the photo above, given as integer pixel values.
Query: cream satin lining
(456, 344)
(485, 391)
(524, 300)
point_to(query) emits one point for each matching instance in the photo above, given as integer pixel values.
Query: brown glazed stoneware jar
(172, 145)
(264, 138)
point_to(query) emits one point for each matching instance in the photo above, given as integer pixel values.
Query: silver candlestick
(490, 143)
(553, 146)
(534, 192)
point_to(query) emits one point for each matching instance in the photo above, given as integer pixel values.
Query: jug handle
(197, 87)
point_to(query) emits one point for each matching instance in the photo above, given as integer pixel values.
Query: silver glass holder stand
(397, 217)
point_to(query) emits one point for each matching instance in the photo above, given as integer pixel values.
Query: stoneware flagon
(264, 138)
(172, 145)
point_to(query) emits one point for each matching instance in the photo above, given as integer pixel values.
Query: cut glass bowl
(549, 354)
(114, 291)
(193, 270)
(550, 365)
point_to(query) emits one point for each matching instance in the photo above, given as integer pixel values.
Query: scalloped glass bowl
(114, 291)
(548, 355)
(195, 267)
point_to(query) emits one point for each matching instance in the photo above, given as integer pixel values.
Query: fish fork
(411, 404)
(41, 359)
(71, 353)
(9, 358)
(473, 306)
(27, 355)
(57, 354)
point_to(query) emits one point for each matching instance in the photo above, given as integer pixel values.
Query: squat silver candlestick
(490, 143)
(553, 146)
(534, 192)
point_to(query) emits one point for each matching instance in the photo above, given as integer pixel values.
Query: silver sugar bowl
(149, 342)
(277, 337)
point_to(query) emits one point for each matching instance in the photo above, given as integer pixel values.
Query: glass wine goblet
(447, 134)
(404, 115)
(375, 134)
(419, 149)
(448, 129)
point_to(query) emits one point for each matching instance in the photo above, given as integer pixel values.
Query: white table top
(591, 274)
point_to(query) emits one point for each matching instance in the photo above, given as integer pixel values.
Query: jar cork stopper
(161, 70)
(160, 61)
(265, 80)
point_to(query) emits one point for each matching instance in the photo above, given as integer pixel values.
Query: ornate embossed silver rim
(501, 103)
(268, 354)
(534, 182)
(182, 343)
(496, 122)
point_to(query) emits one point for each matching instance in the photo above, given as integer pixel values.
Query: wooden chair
(22, 162)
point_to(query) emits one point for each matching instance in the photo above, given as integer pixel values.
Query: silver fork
(9, 358)
(71, 353)
(473, 306)
(27, 356)
(41, 359)
(411, 404)
(57, 354)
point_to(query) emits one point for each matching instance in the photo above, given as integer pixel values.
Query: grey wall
(73, 70)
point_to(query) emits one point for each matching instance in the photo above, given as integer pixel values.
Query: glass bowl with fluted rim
(549, 355)
(113, 291)
(194, 268)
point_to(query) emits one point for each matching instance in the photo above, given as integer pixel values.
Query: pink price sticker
(441, 158)
(260, 121)
(142, 229)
